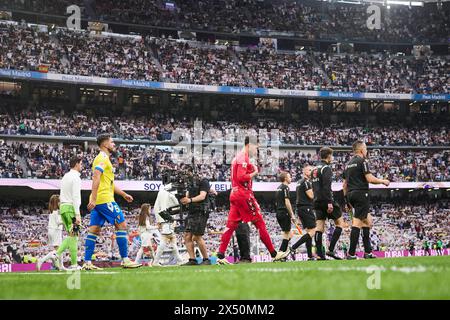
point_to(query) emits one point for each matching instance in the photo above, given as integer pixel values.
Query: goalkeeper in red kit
(243, 204)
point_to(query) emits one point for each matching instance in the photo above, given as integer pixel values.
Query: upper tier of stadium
(62, 51)
(307, 19)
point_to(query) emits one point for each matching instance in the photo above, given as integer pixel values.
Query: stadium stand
(156, 57)
(193, 62)
(305, 19)
(50, 161)
(159, 125)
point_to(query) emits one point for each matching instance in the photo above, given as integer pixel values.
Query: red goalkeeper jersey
(241, 168)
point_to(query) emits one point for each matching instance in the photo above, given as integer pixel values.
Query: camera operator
(198, 204)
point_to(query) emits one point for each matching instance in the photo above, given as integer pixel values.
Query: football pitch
(394, 278)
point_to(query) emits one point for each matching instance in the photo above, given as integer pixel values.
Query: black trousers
(243, 240)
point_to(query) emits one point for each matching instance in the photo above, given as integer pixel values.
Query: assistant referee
(305, 212)
(324, 205)
(357, 177)
(285, 214)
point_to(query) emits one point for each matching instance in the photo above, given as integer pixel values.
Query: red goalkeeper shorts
(243, 207)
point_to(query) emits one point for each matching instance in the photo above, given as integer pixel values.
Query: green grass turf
(401, 278)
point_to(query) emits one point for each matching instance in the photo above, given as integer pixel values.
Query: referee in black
(357, 177)
(285, 213)
(324, 205)
(305, 212)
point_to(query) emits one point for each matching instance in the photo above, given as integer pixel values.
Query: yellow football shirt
(105, 192)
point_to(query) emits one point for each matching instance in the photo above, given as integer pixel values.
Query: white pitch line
(401, 269)
(416, 269)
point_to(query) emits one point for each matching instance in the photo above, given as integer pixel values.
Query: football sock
(306, 237)
(334, 238)
(89, 246)
(366, 240)
(122, 243)
(309, 247)
(284, 245)
(354, 238)
(318, 240)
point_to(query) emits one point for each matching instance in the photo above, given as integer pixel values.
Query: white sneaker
(56, 262)
(74, 267)
(128, 264)
(223, 261)
(157, 264)
(181, 262)
(90, 266)
(281, 255)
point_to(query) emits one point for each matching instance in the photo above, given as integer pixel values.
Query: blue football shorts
(109, 211)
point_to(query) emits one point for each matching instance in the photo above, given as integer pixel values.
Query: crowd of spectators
(272, 69)
(430, 75)
(364, 73)
(398, 23)
(400, 224)
(23, 230)
(306, 19)
(195, 64)
(50, 161)
(10, 166)
(159, 59)
(78, 53)
(48, 122)
(167, 127)
(395, 165)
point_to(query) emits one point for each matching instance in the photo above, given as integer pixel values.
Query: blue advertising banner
(138, 84)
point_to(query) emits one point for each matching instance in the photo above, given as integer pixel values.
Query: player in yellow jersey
(103, 207)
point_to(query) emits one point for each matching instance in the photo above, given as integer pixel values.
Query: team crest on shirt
(244, 164)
